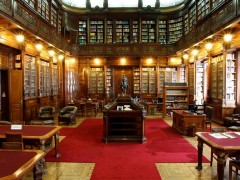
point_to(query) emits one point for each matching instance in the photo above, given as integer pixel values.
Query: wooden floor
(167, 171)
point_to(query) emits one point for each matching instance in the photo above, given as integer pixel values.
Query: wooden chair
(12, 145)
(234, 166)
(88, 108)
(5, 122)
(209, 116)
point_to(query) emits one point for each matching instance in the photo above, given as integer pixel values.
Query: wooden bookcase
(55, 79)
(82, 32)
(122, 32)
(203, 7)
(175, 28)
(135, 31)
(199, 86)
(109, 37)
(175, 97)
(148, 80)
(96, 80)
(162, 31)
(30, 77)
(136, 80)
(108, 80)
(44, 79)
(96, 32)
(148, 31)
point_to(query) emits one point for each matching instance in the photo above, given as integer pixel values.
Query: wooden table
(183, 122)
(16, 164)
(38, 134)
(81, 105)
(222, 147)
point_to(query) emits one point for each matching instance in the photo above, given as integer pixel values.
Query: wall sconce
(39, 46)
(227, 37)
(149, 60)
(97, 61)
(208, 46)
(185, 56)
(19, 38)
(194, 52)
(123, 60)
(51, 52)
(60, 57)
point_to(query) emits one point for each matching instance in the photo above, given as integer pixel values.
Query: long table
(223, 148)
(15, 164)
(38, 134)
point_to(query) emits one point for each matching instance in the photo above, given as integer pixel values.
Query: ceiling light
(185, 56)
(20, 38)
(194, 52)
(227, 37)
(39, 46)
(208, 46)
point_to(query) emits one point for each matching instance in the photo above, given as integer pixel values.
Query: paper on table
(238, 133)
(218, 135)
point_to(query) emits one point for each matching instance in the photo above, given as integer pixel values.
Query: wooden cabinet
(55, 80)
(148, 80)
(162, 31)
(18, 61)
(96, 32)
(175, 27)
(136, 80)
(175, 98)
(124, 125)
(30, 77)
(44, 79)
(122, 32)
(148, 31)
(96, 80)
(82, 32)
(135, 31)
(109, 37)
(108, 80)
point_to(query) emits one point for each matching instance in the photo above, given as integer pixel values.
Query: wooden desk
(222, 147)
(182, 122)
(38, 134)
(81, 105)
(16, 164)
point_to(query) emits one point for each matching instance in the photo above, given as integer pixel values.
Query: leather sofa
(46, 113)
(68, 115)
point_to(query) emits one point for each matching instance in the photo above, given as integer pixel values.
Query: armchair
(68, 115)
(46, 113)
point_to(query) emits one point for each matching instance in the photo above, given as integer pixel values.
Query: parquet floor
(167, 171)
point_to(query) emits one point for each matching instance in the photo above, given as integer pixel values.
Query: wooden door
(15, 95)
(118, 72)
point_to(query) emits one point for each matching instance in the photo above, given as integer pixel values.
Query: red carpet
(124, 160)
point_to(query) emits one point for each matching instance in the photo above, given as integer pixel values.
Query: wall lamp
(20, 38)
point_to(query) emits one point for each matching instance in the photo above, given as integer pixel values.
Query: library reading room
(87, 84)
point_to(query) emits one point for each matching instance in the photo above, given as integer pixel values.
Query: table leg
(56, 140)
(200, 152)
(221, 161)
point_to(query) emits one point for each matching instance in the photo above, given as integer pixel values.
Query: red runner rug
(124, 160)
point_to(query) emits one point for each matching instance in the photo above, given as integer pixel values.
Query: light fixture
(149, 60)
(208, 46)
(185, 56)
(227, 37)
(123, 60)
(51, 51)
(97, 61)
(20, 38)
(60, 57)
(39, 46)
(194, 52)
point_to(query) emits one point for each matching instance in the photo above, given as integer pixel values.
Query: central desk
(36, 134)
(183, 122)
(16, 164)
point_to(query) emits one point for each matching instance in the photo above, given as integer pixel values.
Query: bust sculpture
(124, 83)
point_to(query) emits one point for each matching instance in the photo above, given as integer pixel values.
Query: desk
(38, 134)
(222, 147)
(183, 121)
(16, 164)
(95, 106)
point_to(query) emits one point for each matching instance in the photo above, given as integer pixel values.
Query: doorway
(4, 104)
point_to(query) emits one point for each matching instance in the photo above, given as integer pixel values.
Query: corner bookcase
(175, 98)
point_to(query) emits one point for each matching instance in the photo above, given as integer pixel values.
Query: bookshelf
(148, 80)
(199, 95)
(82, 32)
(192, 18)
(108, 80)
(175, 98)
(182, 73)
(109, 32)
(231, 77)
(96, 80)
(122, 31)
(136, 81)
(162, 31)
(175, 30)
(55, 79)
(96, 32)
(186, 24)
(191, 82)
(18, 62)
(203, 8)
(135, 31)
(30, 82)
(148, 31)
(213, 83)
(44, 79)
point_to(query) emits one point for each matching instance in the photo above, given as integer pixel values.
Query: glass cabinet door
(148, 80)
(44, 80)
(30, 77)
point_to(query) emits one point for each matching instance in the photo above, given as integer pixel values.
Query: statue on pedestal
(124, 84)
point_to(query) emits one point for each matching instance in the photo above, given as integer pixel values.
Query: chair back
(13, 137)
(209, 112)
(12, 145)
(88, 105)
